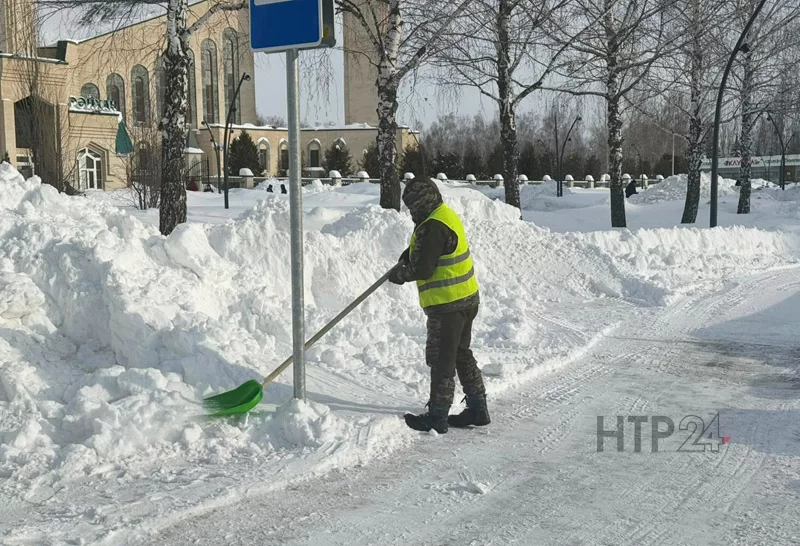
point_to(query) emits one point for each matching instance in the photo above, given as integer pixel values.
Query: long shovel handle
(346, 311)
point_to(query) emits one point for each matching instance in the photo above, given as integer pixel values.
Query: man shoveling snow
(439, 260)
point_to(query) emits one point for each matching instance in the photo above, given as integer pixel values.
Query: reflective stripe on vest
(453, 278)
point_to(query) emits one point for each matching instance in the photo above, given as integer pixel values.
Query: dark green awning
(123, 145)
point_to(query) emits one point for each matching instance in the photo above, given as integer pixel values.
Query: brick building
(71, 101)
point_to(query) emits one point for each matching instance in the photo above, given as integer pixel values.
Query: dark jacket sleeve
(432, 238)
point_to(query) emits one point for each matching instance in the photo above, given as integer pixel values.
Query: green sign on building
(92, 105)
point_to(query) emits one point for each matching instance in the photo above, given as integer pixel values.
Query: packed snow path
(535, 475)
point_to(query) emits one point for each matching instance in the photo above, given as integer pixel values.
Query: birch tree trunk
(695, 160)
(696, 125)
(746, 139)
(173, 122)
(388, 84)
(387, 144)
(614, 119)
(615, 159)
(508, 122)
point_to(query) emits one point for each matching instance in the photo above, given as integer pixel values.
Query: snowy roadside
(110, 335)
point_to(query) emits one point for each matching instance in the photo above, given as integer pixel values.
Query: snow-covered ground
(110, 336)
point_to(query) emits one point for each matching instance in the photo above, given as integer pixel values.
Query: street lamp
(782, 176)
(226, 134)
(560, 187)
(740, 46)
(216, 150)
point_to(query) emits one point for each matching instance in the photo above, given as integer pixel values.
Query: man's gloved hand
(396, 276)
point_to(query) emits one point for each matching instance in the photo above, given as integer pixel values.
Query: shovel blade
(240, 400)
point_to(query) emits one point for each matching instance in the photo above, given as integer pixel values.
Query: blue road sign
(280, 25)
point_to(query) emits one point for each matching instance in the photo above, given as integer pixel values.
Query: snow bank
(110, 334)
(671, 262)
(673, 188)
(542, 197)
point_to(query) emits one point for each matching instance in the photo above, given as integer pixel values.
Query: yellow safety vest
(454, 278)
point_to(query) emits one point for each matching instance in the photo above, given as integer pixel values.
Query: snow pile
(673, 188)
(308, 424)
(790, 195)
(761, 183)
(543, 197)
(110, 335)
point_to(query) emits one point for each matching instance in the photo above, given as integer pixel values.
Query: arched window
(230, 68)
(314, 154)
(161, 87)
(90, 90)
(140, 82)
(263, 156)
(90, 169)
(209, 74)
(115, 90)
(284, 157)
(191, 110)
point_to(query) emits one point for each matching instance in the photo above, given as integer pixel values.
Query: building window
(90, 169)
(192, 106)
(145, 168)
(141, 94)
(23, 122)
(90, 90)
(230, 62)
(284, 157)
(313, 154)
(209, 75)
(115, 89)
(263, 157)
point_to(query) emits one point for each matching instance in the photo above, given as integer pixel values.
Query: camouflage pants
(447, 352)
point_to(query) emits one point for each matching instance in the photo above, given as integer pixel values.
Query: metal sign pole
(296, 221)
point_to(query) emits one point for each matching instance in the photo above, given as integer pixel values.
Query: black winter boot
(476, 413)
(434, 418)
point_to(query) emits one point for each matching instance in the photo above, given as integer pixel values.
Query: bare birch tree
(182, 22)
(402, 34)
(610, 60)
(695, 70)
(771, 43)
(503, 49)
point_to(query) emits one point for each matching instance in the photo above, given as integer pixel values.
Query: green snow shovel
(245, 397)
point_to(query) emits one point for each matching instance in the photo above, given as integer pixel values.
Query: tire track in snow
(732, 470)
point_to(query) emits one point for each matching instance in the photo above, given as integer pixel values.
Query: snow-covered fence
(344, 181)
